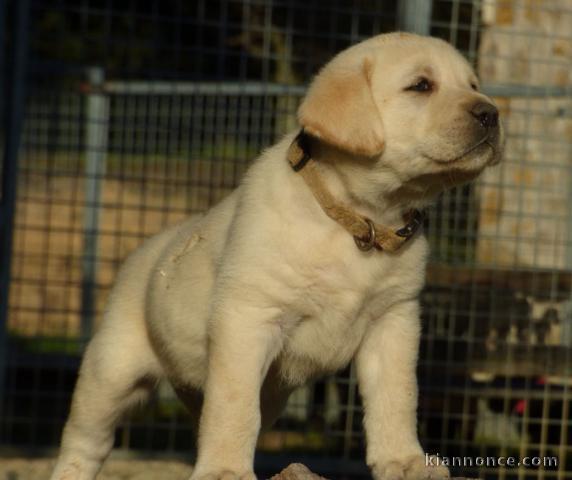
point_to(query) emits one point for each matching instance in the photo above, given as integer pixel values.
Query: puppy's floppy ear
(339, 108)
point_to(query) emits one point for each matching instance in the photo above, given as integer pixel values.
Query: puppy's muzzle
(487, 127)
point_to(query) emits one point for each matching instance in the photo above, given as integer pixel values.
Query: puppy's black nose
(486, 113)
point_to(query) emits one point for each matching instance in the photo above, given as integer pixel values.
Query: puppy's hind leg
(119, 370)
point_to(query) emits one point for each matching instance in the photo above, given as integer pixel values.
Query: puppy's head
(409, 103)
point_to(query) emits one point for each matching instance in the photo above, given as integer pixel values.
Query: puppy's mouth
(488, 140)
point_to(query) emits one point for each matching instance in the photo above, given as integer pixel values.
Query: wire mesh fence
(139, 113)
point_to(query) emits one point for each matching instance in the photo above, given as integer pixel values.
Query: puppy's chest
(332, 313)
(320, 344)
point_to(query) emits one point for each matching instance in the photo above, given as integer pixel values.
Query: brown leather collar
(367, 234)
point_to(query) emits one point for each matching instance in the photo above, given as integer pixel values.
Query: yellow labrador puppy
(312, 262)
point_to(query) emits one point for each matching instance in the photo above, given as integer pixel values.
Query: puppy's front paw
(419, 467)
(426, 467)
(75, 470)
(223, 475)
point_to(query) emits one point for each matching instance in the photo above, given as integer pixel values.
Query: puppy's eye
(475, 87)
(422, 85)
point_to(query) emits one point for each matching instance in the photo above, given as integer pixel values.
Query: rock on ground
(296, 471)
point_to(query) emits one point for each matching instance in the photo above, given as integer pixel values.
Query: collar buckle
(365, 245)
(412, 225)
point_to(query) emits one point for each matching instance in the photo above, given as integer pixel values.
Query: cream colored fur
(265, 292)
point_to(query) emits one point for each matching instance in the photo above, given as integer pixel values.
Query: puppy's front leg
(386, 366)
(243, 343)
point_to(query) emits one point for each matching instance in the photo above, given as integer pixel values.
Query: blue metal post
(96, 132)
(415, 16)
(13, 70)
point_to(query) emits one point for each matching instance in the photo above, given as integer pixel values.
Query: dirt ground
(26, 469)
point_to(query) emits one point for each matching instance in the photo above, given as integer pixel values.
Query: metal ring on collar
(368, 243)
